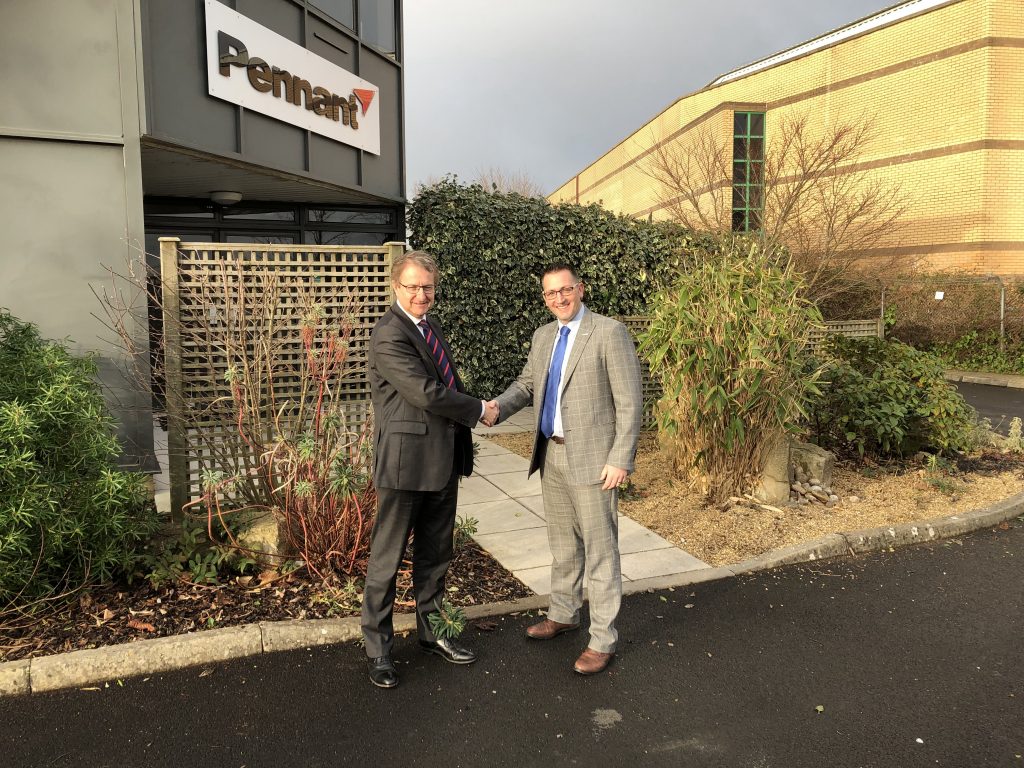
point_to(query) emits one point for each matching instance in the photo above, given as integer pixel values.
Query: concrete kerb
(147, 657)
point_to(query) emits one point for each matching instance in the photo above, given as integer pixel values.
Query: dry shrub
(726, 344)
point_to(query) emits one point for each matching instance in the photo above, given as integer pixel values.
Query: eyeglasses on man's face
(428, 290)
(565, 293)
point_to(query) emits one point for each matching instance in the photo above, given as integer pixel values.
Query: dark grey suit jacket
(422, 428)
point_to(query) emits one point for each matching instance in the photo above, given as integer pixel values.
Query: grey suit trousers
(583, 534)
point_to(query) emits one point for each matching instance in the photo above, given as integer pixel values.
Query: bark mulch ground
(871, 495)
(123, 613)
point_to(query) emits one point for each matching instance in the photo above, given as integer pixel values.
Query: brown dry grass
(722, 536)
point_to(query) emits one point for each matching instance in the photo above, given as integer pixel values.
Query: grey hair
(421, 259)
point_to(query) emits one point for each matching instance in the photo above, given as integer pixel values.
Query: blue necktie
(547, 415)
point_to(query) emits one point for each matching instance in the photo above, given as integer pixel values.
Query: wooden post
(177, 439)
(394, 251)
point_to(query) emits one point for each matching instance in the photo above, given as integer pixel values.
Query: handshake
(491, 413)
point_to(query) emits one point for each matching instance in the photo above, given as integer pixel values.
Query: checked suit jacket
(602, 403)
(422, 428)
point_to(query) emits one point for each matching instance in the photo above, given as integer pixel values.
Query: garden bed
(124, 613)
(899, 492)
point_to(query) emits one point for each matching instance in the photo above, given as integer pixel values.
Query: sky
(542, 88)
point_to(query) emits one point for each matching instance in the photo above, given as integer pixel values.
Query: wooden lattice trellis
(852, 329)
(203, 286)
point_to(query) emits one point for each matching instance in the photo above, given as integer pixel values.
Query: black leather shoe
(449, 650)
(382, 672)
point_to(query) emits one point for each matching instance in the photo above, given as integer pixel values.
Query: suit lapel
(410, 329)
(583, 335)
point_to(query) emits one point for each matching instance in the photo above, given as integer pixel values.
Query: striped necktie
(434, 344)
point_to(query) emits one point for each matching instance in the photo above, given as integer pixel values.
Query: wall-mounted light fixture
(224, 197)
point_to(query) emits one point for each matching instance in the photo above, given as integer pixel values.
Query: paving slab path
(509, 511)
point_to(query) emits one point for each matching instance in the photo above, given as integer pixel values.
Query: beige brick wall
(944, 91)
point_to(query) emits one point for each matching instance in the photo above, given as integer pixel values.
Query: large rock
(813, 461)
(775, 479)
(265, 539)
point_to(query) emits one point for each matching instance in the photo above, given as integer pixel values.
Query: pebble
(816, 487)
(815, 481)
(833, 497)
(853, 499)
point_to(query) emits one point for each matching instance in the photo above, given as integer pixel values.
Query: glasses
(428, 290)
(565, 293)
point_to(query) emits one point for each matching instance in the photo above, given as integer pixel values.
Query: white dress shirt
(573, 326)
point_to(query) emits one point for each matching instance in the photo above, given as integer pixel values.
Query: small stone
(819, 496)
(830, 503)
(815, 481)
(801, 477)
(833, 497)
(816, 488)
(797, 488)
(853, 499)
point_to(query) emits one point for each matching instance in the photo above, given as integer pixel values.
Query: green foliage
(67, 516)
(492, 248)
(341, 601)
(448, 621)
(1015, 437)
(976, 351)
(193, 557)
(726, 344)
(886, 398)
(465, 529)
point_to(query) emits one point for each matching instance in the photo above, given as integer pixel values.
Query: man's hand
(491, 413)
(613, 477)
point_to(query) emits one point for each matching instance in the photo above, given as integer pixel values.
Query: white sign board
(256, 68)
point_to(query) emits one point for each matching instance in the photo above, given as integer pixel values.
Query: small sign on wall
(256, 68)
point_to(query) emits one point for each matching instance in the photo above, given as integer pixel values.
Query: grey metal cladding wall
(179, 109)
(379, 169)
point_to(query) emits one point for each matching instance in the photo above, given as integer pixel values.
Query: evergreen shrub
(491, 249)
(886, 398)
(67, 515)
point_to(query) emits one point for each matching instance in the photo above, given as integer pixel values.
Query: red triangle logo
(365, 96)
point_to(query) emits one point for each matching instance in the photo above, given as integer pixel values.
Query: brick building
(941, 82)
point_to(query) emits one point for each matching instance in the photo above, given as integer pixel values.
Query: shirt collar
(411, 316)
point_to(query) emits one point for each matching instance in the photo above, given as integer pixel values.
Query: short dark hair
(559, 266)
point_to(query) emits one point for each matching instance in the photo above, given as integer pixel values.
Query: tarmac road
(915, 657)
(998, 404)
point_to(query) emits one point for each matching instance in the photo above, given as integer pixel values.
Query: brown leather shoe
(591, 662)
(545, 630)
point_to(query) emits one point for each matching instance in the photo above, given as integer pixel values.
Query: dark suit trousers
(430, 517)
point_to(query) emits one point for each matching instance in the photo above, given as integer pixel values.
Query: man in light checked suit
(583, 377)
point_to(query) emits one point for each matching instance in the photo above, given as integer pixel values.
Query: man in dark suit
(422, 445)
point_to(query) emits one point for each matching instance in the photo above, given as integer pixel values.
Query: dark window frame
(190, 217)
(748, 170)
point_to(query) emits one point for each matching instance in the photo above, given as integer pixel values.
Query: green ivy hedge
(492, 248)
